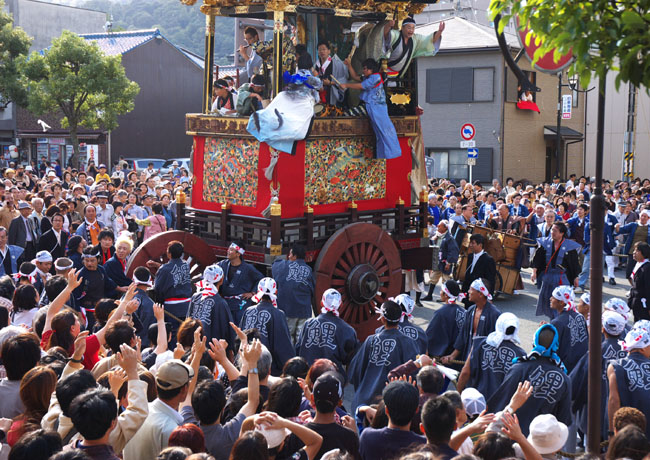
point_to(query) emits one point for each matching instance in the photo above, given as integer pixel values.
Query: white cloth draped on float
(289, 115)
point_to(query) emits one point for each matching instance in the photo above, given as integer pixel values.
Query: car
(140, 164)
(182, 163)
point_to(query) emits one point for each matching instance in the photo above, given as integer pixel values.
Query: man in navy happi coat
(240, 281)
(407, 328)
(173, 286)
(571, 328)
(446, 322)
(492, 357)
(480, 320)
(208, 307)
(328, 336)
(271, 324)
(378, 355)
(546, 374)
(295, 288)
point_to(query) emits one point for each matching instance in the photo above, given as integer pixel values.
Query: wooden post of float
(354, 212)
(180, 209)
(223, 223)
(309, 228)
(276, 238)
(424, 212)
(278, 26)
(208, 62)
(400, 216)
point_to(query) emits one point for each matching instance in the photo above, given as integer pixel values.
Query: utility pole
(628, 142)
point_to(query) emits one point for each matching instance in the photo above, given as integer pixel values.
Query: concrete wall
(45, 21)
(170, 87)
(441, 122)
(524, 154)
(616, 108)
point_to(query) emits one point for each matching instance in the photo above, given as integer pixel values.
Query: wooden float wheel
(363, 263)
(197, 252)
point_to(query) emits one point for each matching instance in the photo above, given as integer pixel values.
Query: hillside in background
(184, 26)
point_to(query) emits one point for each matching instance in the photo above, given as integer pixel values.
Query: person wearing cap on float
(175, 382)
(240, 281)
(613, 331)
(554, 264)
(491, 357)
(547, 376)
(400, 47)
(104, 210)
(447, 256)
(571, 327)
(90, 227)
(102, 174)
(609, 243)
(209, 307)
(55, 240)
(378, 354)
(639, 296)
(43, 262)
(629, 378)
(251, 96)
(480, 320)
(22, 232)
(328, 335)
(295, 288)
(636, 232)
(447, 321)
(173, 285)
(116, 266)
(410, 330)
(271, 323)
(95, 285)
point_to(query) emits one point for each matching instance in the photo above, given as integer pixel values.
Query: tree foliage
(182, 25)
(14, 46)
(603, 34)
(75, 78)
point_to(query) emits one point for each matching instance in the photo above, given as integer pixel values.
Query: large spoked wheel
(363, 263)
(197, 252)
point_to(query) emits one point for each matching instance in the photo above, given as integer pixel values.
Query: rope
(451, 361)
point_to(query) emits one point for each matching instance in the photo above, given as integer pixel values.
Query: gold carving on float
(400, 98)
(346, 8)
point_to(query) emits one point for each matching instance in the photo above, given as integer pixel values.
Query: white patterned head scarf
(478, 285)
(636, 338)
(613, 323)
(564, 294)
(504, 322)
(331, 301)
(407, 303)
(619, 306)
(267, 286)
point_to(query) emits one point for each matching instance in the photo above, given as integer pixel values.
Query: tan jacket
(108, 363)
(128, 422)
(6, 216)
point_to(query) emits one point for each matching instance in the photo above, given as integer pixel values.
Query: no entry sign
(467, 131)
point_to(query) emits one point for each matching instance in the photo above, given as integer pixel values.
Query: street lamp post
(573, 84)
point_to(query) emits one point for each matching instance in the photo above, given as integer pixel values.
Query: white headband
(237, 248)
(478, 285)
(148, 283)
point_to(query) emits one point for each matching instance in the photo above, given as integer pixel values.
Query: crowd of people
(100, 365)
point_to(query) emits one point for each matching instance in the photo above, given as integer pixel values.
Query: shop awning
(57, 135)
(550, 132)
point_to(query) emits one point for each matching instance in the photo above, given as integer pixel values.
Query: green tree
(14, 46)
(76, 79)
(603, 34)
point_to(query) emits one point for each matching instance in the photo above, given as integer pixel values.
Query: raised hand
(73, 279)
(158, 312)
(80, 345)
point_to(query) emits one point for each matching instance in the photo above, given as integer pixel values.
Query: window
(452, 164)
(512, 84)
(460, 84)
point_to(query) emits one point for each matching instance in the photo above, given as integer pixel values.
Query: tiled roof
(115, 43)
(461, 34)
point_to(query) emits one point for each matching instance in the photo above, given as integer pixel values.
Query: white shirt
(153, 435)
(474, 260)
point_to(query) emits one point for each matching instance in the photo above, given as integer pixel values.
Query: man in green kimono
(401, 46)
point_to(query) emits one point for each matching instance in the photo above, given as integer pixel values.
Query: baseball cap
(473, 401)
(173, 374)
(328, 388)
(102, 166)
(24, 205)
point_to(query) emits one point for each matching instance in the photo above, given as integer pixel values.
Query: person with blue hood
(544, 370)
